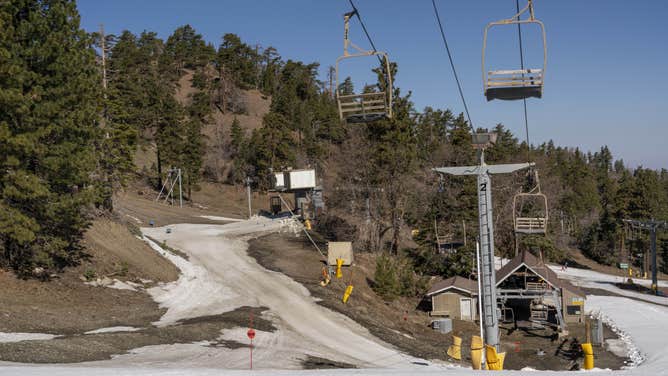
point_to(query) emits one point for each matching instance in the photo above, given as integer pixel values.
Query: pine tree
(385, 279)
(49, 111)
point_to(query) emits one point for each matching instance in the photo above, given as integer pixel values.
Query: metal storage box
(442, 325)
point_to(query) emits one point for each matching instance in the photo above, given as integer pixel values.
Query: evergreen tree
(49, 111)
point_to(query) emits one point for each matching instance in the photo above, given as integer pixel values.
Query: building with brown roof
(455, 297)
(527, 290)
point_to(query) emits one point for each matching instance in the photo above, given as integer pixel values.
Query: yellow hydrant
(455, 350)
(589, 355)
(346, 295)
(476, 352)
(339, 263)
(494, 360)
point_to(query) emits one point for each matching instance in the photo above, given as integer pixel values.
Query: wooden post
(588, 330)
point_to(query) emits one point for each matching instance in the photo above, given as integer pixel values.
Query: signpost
(251, 334)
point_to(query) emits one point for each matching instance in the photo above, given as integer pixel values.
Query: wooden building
(455, 297)
(534, 293)
(527, 291)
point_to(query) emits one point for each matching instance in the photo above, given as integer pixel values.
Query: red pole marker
(251, 334)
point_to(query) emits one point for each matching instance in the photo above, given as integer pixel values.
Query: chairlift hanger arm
(516, 18)
(489, 169)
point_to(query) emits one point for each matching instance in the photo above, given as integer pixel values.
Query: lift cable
(526, 121)
(452, 64)
(359, 17)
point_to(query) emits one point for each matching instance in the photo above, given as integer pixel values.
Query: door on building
(465, 308)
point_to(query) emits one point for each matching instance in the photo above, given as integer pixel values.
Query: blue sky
(606, 75)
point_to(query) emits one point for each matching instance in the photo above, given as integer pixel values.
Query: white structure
(292, 180)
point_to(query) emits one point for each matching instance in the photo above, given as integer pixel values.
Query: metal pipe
(655, 285)
(477, 259)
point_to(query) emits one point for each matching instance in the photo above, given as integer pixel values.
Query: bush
(90, 274)
(395, 276)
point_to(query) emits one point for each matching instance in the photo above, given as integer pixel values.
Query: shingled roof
(537, 266)
(457, 283)
(524, 259)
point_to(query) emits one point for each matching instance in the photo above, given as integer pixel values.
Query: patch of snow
(216, 218)
(220, 276)
(499, 262)
(197, 292)
(18, 337)
(617, 346)
(640, 325)
(120, 285)
(592, 279)
(114, 329)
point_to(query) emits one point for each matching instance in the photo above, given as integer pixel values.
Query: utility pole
(487, 274)
(248, 190)
(173, 178)
(651, 226)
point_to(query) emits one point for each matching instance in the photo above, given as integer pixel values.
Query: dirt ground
(81, 347)
(114, 251)
(137, 205)
(65, 305)
(403, 323)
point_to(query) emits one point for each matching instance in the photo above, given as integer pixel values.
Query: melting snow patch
(632, 351)
(18, 337)
(196, 293)
(120, 285)
(114, 329)
(216, 218)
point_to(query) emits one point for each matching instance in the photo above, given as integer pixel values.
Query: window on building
(573, 309)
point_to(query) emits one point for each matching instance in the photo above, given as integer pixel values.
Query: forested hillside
(69, 133)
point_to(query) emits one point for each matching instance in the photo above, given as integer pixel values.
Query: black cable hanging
(359, 18)
(452, 64)
(526, 121)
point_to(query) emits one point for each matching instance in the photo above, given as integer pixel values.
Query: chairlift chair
(363, 107)
(514, 84)
(534, 222)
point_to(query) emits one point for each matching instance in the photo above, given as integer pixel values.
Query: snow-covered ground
(219, 276)
(593, 279)
(18, 337)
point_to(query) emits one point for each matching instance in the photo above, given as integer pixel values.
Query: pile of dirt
(403, 322)
(115, 252)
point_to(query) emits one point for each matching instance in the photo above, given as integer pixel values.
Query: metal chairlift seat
(364, 107)
(518, 83)
(534, 224)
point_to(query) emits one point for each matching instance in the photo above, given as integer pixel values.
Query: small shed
(455, 297)
(340, 250)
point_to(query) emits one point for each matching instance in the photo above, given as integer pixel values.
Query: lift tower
(481, 141)
(652, 226)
